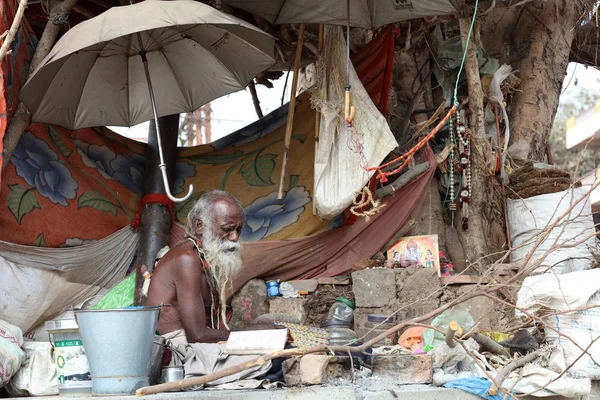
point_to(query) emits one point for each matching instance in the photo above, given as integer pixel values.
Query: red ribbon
(154, 198)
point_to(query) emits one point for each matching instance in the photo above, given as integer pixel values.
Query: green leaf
(299, 137)
(218, 159)
(258, 171)
(181, 210)
(39, 241)
(96, 200)
(293, 181)
(62, 147)
(21, 201)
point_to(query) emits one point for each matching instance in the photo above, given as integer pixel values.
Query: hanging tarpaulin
(344, 151)
(363, 13)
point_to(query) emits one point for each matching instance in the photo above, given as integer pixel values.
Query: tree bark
(22, 117)
(411, 84)
(10, 34)
(475, 238)
(545, 31)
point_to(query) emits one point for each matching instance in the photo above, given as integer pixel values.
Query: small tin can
(273, 288)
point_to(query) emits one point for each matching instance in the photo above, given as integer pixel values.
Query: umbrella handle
(163, 170)
(162, 165)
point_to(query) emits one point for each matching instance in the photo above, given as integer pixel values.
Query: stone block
(374, 287)
(403, 369)
(418, 291)
(248, 303)
(296, 308)
(305, 285)
(316, 369)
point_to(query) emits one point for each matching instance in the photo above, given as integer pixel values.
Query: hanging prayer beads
(452, 205)
(464, 136)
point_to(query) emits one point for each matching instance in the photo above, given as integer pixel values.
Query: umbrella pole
(162, 165)
(317, 117)
(290, 119)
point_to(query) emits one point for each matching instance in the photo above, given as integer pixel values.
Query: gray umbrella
(363, 13)
(143, 61)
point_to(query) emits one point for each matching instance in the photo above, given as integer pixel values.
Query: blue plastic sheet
(475, 385)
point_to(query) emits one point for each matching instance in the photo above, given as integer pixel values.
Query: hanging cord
(383, 176)
(348, 46)
(366, 199)
(56, 19)
(462, 63)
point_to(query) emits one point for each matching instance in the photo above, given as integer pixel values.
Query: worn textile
(64, 188)
(176, 338)
(37, 284)
(344, 151)
(205, 358)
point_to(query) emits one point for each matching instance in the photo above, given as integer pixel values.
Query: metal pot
(172, 373)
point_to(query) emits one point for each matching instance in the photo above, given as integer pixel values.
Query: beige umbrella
(143, 61)
(363, 13)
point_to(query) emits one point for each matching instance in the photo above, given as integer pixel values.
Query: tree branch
(14, 28)
(504, 372)
(255, 100)
(22, 117)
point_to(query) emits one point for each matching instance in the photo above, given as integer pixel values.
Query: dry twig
(14, 28)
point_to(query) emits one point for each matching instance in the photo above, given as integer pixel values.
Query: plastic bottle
(342, 310)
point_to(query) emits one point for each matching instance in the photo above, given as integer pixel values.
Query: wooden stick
(290, 119)
(403, 180)
(453, 327)
(201, 380)
(14, 28)
(255, 100)
(504, 372)
(317, 118)
(488, 344)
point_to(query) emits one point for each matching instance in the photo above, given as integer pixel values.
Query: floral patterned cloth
(63, 188)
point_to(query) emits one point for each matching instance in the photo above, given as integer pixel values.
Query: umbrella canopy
(367, 14)
(95, 75)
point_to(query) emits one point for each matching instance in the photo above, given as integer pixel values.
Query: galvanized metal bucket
(118, 344)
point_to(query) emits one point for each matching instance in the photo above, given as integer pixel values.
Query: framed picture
(416, 251)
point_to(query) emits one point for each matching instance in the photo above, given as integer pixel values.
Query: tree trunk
(411, 84)
(545, 33)
(22, 117)
(475, 238)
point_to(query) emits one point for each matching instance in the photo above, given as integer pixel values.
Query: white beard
(224, 258)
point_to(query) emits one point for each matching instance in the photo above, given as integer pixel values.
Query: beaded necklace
(212, 284)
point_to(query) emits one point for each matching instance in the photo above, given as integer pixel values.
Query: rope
(59, 18)
(382, 176)
(462, 64)
(155, 198)
(366, 199)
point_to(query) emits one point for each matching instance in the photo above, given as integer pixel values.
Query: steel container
(173, 373)
(118, 344)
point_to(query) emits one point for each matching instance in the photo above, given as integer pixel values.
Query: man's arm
(191, 304)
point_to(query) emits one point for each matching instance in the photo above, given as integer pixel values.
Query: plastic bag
(11, 355)
(412, 338)
(37, 376)
(122, 295)
(458, 314)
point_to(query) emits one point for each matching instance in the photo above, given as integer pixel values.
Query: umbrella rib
(89, 72)
(190, 106)
(129, 42)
